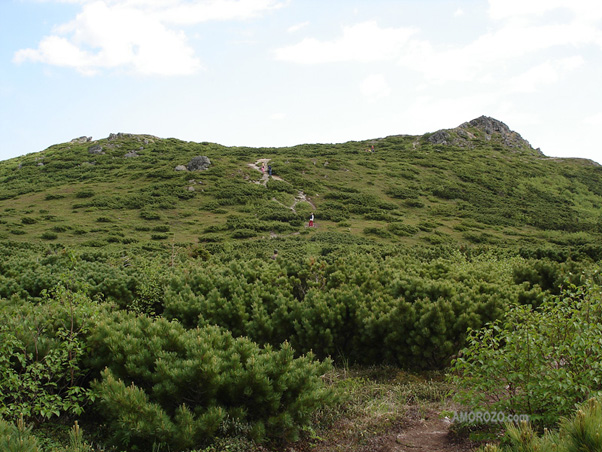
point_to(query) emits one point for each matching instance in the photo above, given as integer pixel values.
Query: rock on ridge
(482, 128)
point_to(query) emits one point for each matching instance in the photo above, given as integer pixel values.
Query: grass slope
(469, 188)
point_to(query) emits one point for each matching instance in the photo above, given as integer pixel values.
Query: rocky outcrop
(481, 129)
(115, 136)
(440, 137)
(180, 168)
(81, 140)
(95, 149)
(493, 128)
(199, 163)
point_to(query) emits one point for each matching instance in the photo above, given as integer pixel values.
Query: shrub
(40, 358)
(379, 232)
(87, 193)
(17, 438)
(28, 220)
(282, 186)
(414, 203)
(402, 230)
(150, 215)
(580, 432)
(536, 362)
(50, 197)
(179, 388)
(402, 193)
(243, 233)
(49, 235)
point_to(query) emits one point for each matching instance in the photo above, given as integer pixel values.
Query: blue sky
(286, 72)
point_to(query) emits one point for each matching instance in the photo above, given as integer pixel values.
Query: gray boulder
(95, 149)
(181, 168)
(81, 140)
(440, 137)
(199, 163)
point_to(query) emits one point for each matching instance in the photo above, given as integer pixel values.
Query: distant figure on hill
(372, 148)
(270, 170)
(275, 255)
(311, 220)
(263, 167)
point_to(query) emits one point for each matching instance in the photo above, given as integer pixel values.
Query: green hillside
(469, 185)
(168, 308)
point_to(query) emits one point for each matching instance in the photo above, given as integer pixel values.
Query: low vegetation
(143, 308)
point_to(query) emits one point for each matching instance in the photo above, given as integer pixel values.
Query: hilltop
(476, 184)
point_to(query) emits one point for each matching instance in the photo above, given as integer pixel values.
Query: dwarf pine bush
(580, 432)
(17, 438)
(162, 384)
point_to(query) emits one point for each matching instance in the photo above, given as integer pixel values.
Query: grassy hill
(477, 184)
(139, 298)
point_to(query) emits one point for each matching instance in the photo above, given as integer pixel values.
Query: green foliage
(41, 349)
(17, 438)
(402, 230)
(150, 215)
(402, 192)
(537, 362)
(280, 186)
(526, 225)
(86, 193)
(349, 306)
(167, 385)
(579, 432)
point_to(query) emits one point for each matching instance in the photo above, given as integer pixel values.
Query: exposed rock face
(131, 154)
(81, 140)
(95, 149)
(199, 163)
(115, 136)
(440, 137)
(481, 128)
(492, 127)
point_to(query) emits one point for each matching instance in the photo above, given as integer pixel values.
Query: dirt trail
(426, 435)
(301, 197)
(417, 432)
(257, 166)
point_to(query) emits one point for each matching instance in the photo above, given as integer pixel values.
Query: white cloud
(297, 27)
(515, 33)
(582, 10)
(375, 87)
(364, 42)
(459, 12)
(138, 35)
(214, 10)
(56, 51)
(594, 120)
(546, 73)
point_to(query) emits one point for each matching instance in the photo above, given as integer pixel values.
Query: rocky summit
(482, 128)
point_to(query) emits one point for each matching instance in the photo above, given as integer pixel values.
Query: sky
(286, 72)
